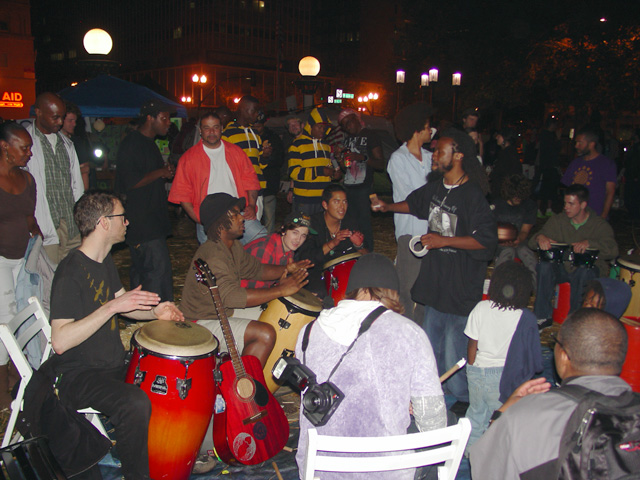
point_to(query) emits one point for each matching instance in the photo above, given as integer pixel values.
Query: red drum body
(336, 275)
(287, 315)
(630, 274)
(631, 368)
(561, 302)
(173, 362)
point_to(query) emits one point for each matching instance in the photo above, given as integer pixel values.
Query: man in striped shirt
(310, 165)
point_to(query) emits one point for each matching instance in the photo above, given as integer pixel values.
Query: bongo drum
(586, 259)
(555, 254)
(288, 315)
(631, 368)
(507, 232)
(629, 266)
(336, 275)
(173, 362)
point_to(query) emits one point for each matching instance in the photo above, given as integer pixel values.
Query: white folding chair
(396, 452)
(15, 345)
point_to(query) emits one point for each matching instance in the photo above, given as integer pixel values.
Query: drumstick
(275, 467)
(461, 363)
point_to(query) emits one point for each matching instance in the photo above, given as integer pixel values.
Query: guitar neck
(226, 332)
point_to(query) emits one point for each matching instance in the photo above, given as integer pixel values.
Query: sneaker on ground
(204, 464)
(544, 323)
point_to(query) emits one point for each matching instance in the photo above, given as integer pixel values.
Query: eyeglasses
(554, 338)
(123, 215)
(234, 213)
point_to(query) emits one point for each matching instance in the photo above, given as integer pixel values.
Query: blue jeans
(151, 268)
(449, 343)
(551, 274)
(484, 398)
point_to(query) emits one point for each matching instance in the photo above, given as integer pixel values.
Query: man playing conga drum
(581, 228)
(86, 297)
(338, 235)
(221, 216)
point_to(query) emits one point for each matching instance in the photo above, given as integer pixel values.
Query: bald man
(523, 443)
(54, 165)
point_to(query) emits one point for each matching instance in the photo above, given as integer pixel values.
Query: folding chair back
(389, 453)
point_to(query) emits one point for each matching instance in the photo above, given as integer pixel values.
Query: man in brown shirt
(221, 216)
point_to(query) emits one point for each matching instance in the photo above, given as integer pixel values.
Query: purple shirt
(593, 174)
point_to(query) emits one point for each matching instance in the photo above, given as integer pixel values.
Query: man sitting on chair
(86, 297)
(389, 368)
(221, 216)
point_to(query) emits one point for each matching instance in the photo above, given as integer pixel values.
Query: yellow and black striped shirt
(307, 159)
(249, 141)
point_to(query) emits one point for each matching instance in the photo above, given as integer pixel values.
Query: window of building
(4, 26)
(56, 57)
(72, 53)
(4, 60)
(177, 33)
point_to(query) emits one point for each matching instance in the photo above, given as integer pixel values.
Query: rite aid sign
(11, 100)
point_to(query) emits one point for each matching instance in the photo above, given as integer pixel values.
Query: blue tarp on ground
(107, 96)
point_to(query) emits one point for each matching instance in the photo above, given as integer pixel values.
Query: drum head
(304, 300)
(560, 245)
(180, 339)
(631, 262)
(341, 259)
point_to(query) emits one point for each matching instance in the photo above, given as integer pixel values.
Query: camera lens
(315, 401)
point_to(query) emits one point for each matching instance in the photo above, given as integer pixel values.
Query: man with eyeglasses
(88, 369)
(221, 216)
(524, 441)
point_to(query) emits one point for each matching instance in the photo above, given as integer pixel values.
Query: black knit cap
(217, 204)
(373, 270)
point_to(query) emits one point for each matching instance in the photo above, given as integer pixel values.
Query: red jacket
(192, 176)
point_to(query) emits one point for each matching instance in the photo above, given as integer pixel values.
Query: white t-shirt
(220, 176)
(493, 328)
(53, 139)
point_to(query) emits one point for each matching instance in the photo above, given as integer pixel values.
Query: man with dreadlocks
(504, 344)
(461, 241)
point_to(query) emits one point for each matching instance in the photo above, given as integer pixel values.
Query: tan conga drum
(288, 315)
(630, 274)
(336, 274)
(631, 368)
(173, 362)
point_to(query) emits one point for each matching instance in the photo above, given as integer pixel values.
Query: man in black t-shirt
(360, 155)
(338, 235)
(86, 297)
(461, 241)
(140, 178)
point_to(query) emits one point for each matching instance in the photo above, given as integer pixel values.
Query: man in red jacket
(214, 166)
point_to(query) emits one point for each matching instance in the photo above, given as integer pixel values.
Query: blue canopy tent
(107, 96)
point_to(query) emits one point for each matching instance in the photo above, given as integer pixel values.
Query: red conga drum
(631, 368)
(561, 302)
(173, 362)
(336, 275)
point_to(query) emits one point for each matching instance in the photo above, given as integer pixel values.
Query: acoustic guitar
(249, 425)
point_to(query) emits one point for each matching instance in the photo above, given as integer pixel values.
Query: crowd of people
(228, 170)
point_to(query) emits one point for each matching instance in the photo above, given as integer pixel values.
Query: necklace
(333, 234)
(457, 183)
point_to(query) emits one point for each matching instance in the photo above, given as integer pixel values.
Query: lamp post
(433, 79)
(400, 74)
(309, 68)
(424, 83)
(455, 82)
(198, 81)
(98, 44)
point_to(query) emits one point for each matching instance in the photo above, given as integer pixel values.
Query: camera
(319, 401)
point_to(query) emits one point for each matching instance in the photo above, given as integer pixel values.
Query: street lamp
(399, 80)
(97, 42)
(309, 68)
(455, 82)
(424, 82)
(433, 79)
(199, 81)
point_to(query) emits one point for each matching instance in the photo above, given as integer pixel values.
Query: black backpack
(602, 437)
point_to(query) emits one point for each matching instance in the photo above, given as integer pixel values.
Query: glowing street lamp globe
(309, 67)
(97, 42)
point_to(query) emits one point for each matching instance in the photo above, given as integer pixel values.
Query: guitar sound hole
(261, 395)
(245, 388)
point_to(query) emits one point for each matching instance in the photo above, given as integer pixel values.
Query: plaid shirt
(268, 250)
(58, 177)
